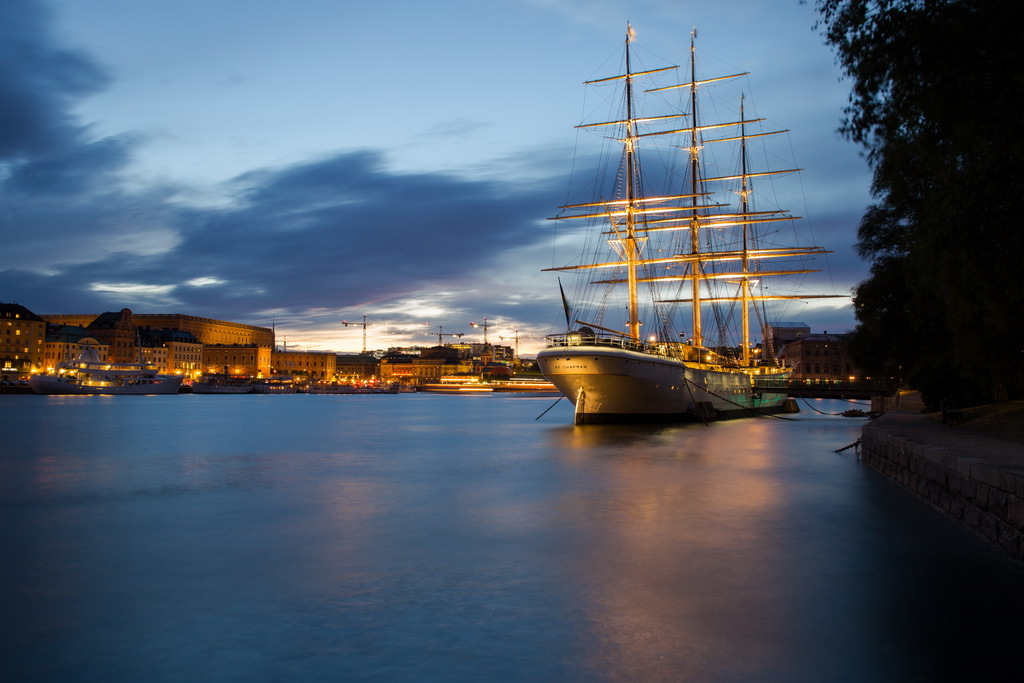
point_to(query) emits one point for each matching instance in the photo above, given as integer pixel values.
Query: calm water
(456, 538)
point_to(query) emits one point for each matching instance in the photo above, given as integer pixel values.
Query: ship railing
(770, 382)
(676, 350)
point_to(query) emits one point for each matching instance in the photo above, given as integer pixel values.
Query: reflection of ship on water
(667, 544)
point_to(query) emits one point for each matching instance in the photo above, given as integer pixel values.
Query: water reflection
(674, 525)
(438, 538)
(750, 550)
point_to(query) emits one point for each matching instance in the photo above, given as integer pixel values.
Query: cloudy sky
(301, 163)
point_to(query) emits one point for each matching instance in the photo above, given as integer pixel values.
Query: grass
(1001, 420)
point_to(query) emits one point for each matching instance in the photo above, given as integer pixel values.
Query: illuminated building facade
(480, 351)
(117, 331)
(821, 356)
(182, 353)
(356, 368)
(208, 330)
(175, 342)
(205, 330)
(244, 360)
(22, 342)
(156, 355)
(317, 365)
(428, 367)
(66, 343)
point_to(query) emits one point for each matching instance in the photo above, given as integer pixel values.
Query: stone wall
(988, 500)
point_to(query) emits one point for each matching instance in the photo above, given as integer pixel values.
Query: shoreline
(973, 471)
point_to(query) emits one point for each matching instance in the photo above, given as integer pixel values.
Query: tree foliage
(935, 102)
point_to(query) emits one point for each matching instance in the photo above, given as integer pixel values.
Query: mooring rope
(855, 444)
(550, 407)
(693, 400)
(738, 405)
(820, 412)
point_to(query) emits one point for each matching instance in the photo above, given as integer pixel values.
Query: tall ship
(90, 375)
(682, 236)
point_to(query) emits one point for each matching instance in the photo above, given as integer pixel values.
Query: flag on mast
(565, 307)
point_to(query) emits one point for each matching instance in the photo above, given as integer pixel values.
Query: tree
(935, 86)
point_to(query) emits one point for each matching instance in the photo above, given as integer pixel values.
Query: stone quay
(974, 477)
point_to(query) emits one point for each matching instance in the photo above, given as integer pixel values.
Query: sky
(301, 164)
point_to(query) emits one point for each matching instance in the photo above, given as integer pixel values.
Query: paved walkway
(908, 421)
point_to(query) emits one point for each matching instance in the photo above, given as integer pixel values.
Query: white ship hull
(55, 384)
(618, 385)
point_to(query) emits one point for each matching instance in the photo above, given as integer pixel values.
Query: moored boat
(330, 388)
(686, 243)
(476, 385)
(222, 384)
(89, 375)
(376, 389)
(274, 385)
(457, 384)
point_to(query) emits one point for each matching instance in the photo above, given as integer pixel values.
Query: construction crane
(517, 338)
(441, 334)
(517, 342)
(484, 324)
(363, 324)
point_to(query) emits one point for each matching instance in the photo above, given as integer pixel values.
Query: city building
(66, 343)
(429, 366)
(117, 331)
(175, 342)
(317, 365)
(778, 334)
(485, 353)
(821, 356)
(184, 352)
(350, 368)
(155, 354)
(174, 352)
(244, 360)
(209, 330)
(206, 330)
(22, 342)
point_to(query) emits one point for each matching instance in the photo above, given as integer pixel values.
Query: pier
(974, 476)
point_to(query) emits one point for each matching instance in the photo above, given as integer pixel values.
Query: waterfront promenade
(972, 470)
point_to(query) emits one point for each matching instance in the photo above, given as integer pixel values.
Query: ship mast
(630, 243)
(745, 263)
(695, 265)
(633, 218)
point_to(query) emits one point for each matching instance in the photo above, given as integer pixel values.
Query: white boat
(475, 385)
(684, 243)
(458, 384)
(525, 385)
(89, 375)
(214, 384)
